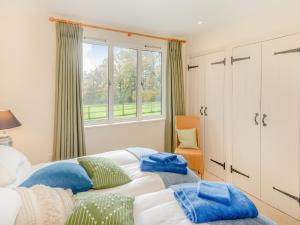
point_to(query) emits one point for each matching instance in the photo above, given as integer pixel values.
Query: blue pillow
(61, 175)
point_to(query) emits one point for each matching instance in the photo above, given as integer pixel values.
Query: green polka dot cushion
(104, 172)
(93, 208)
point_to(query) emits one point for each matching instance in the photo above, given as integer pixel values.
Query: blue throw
(214, 191)
(259, 220)
(170, 179)
(200, 210)
(176, 166)
(163, 157)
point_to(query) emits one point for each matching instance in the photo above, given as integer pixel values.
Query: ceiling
(176, 18)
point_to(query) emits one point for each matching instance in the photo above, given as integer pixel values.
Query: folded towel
(163, 157)
(178, 162)
(200, 210)
(149, 165)
(214, 191)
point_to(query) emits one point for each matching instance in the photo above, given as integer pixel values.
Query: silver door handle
(263, 120)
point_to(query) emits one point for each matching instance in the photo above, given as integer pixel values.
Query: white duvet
(142, 182)
(159, 208)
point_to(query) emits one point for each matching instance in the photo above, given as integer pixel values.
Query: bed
(154, 203)
(128, 160)
(142, 182)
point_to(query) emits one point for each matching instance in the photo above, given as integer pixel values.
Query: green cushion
(104, 172)
(187, 138)
(93, 208)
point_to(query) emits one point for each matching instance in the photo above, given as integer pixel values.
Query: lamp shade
(8, 120)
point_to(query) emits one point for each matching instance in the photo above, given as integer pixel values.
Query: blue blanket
(200, 210)
(214, 191)
(176, 166)
(259, 220)
(163, 157)
(170, 179)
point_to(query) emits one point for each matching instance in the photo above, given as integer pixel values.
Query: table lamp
(7, 121)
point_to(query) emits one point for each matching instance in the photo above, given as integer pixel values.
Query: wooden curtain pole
(129, 33)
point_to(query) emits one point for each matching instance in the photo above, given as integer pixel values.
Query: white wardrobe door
(201, 85)
(196, 90)
(193, 87)
(280, 134)
(214, 93)
(246, 118)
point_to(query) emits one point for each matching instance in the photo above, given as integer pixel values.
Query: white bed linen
(10, 205)
(159, 208)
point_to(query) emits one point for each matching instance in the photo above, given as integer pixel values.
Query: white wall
(144, 134)
(27, 77)
(275, 22)
(27, 65)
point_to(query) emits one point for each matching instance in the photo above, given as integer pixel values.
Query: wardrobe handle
(255, 118)
(205, 109)
(201, 113)
(263, 120)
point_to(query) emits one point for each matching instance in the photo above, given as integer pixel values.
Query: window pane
(95, 82)
(124, 82)
(151, 83)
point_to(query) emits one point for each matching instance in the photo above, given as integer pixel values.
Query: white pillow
(11, 162)
(10, 205)
(6, 176)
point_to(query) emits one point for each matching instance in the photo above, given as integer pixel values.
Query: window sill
(121, 123)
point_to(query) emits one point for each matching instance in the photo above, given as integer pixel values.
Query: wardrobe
(206, 100)
(265, 118)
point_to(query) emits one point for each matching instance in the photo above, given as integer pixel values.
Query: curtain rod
(129, 33)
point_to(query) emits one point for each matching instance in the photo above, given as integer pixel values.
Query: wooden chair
(194, 157)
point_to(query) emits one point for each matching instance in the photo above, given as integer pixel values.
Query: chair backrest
(188, 122)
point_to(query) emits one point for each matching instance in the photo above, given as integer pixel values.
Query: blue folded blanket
(176, 166)
(163, 157)
(200, 210)
(179, 161)
(214, 191)
(170, 179)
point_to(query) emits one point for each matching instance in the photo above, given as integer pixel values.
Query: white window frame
(139, 117)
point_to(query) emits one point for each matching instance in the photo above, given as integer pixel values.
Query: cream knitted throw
(43, 205)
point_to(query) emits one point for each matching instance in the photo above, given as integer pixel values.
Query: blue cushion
(61, 175)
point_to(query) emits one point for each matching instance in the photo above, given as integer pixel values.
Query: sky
(93, 55)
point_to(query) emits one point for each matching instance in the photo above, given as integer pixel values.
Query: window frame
(139, 116)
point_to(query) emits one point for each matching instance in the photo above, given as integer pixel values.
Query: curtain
(68, 125)
(175, 104)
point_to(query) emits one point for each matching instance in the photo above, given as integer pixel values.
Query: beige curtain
(68, 128)
(175, 104)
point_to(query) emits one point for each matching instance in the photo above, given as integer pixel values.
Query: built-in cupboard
(265, 118)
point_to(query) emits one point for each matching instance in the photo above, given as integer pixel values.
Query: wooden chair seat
(194, 158)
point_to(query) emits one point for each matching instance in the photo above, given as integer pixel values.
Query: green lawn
(98, 112)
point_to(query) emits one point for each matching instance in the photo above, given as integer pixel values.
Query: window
(121, 83)
(95, 82)
(124, 82)
(151, 83)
